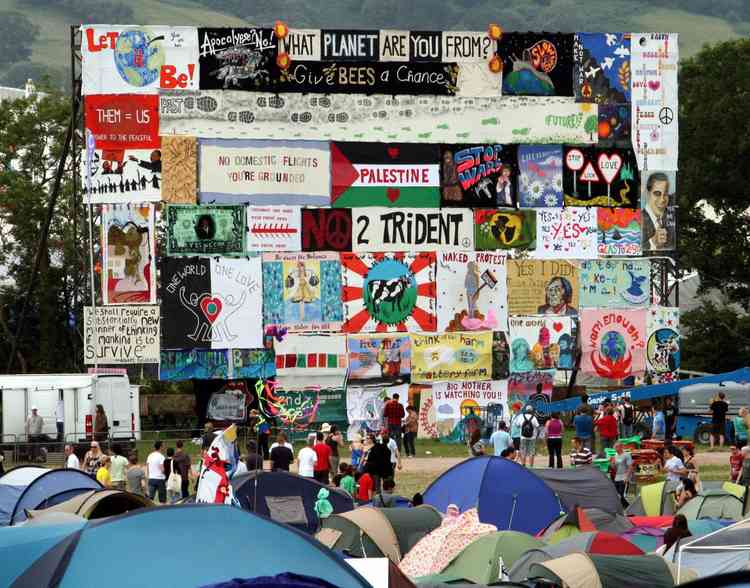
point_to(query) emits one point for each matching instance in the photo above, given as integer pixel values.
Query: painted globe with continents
(138, 58)
(390, 292)
(613, 346)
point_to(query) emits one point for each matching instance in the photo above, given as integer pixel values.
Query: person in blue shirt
(515, 429)
(500, 439)
(658, 429)
(584, 425)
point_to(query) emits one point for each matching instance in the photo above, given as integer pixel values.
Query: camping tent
(85, 556)
(12, 485)
(435, 551)
(579, 570)
(507, 495)
(286, 498)
(651, 538)
(654, 500)
(584, 487)
(724, 550)
(484, 560)
(584, 520)
(713, 504)
(52, 487)
(378, 532)
(598, 543)
(96, 504)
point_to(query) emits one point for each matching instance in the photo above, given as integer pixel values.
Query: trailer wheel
(703, 434)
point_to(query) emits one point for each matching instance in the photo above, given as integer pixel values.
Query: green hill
(51, 50)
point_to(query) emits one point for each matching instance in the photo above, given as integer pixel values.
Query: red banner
(123, 121)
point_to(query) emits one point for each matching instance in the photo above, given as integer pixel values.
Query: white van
(80, 394)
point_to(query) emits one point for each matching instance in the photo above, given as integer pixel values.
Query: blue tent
(286, 498)
(52, 487)
(12, 485)
(508, 495)
(223, 542)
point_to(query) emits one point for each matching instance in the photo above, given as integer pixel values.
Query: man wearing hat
(34, 426)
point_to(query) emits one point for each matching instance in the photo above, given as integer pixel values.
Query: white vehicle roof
(47, 381)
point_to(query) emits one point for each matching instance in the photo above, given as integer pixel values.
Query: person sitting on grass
(509, 453)
(387, 498)
(686, 493)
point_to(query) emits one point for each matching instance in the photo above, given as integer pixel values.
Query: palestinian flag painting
(389, 292)
(400, 175)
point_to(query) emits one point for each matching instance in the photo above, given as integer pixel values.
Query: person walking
(528, 426)
(719, 408)
(136, 477)
(515, 429)
(282, 454)
(101, 424)
(658, 427)
(183, 466)
(60, 419)
(253, 459)
(623, 464)
(71, 459)
(156, 474)
(379, 464)
(335, 441)
(584, 426)
(323, 463)
(393, 414)
(118, 468)
(628, 418)
(308, 458)
(173, 495)
(411, 426)
(554, 427)
(392, 446)
(670, 420)
(92, 461)
(34, 426)
(740, 428)
(607, 427)
(501, 439)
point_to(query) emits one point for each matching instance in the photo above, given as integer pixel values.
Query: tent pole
(512, 511)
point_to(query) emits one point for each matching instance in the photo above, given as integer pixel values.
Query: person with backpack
(528, 426)
(627, 411)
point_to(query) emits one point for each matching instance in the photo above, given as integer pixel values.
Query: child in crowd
(365, 488)
(744, 478)
(357, 451)
(735, 463)
(346, 481)
(102, 474)
(386, 498)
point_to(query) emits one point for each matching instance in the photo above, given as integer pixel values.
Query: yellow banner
(447, 357)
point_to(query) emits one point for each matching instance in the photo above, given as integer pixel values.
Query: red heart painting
(393, 152)
(557, 326)
(211, 307)
(654, 85)
(393, 194)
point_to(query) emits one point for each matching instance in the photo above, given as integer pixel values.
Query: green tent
(480, 562)
(654, 500)
(713, 504)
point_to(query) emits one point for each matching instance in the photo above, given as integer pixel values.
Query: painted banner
(205, 230)
(380, 358)
(614, 126)
(121, 334)
(504, 229)
(302, 291)
(326, 229)
(327, 404)
(541, 176)
(615, 283)
(542, 287)
(257, 364)
(228, 114)
(273, 228)
(303, 361)
(602, 67)
(500, 355)
(193, 364)
(537, 64)
(472, 291)
(613, 342)
(659, 213)
(230, 403)
(180, 170)
(123, 121)
(446, 357)
(404, 175)
(619, 231)
(478, 175)
(663, 344)
(427, 428)
(122, 176)
(138, 59)
(237, 58)
(211, 303)
(389, 292)
(264, 172)
(129, 254)
(541, 343)
(413, 229)
(654, 61)
(566, 233)
(601, 177)
(364, 405)
(530, 389)
(457, 400)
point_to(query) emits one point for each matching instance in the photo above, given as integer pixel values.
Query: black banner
(478, 175)
(537, 64)
(600, 177)
(237, 58)
(326, 229)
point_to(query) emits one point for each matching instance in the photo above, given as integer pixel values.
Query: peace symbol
(339, 230)
(666, 115)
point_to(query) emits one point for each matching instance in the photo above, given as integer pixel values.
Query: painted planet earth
(138, 58)
(613, 345)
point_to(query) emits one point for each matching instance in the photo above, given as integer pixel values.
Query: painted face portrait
(555, 292)
(658, 194)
